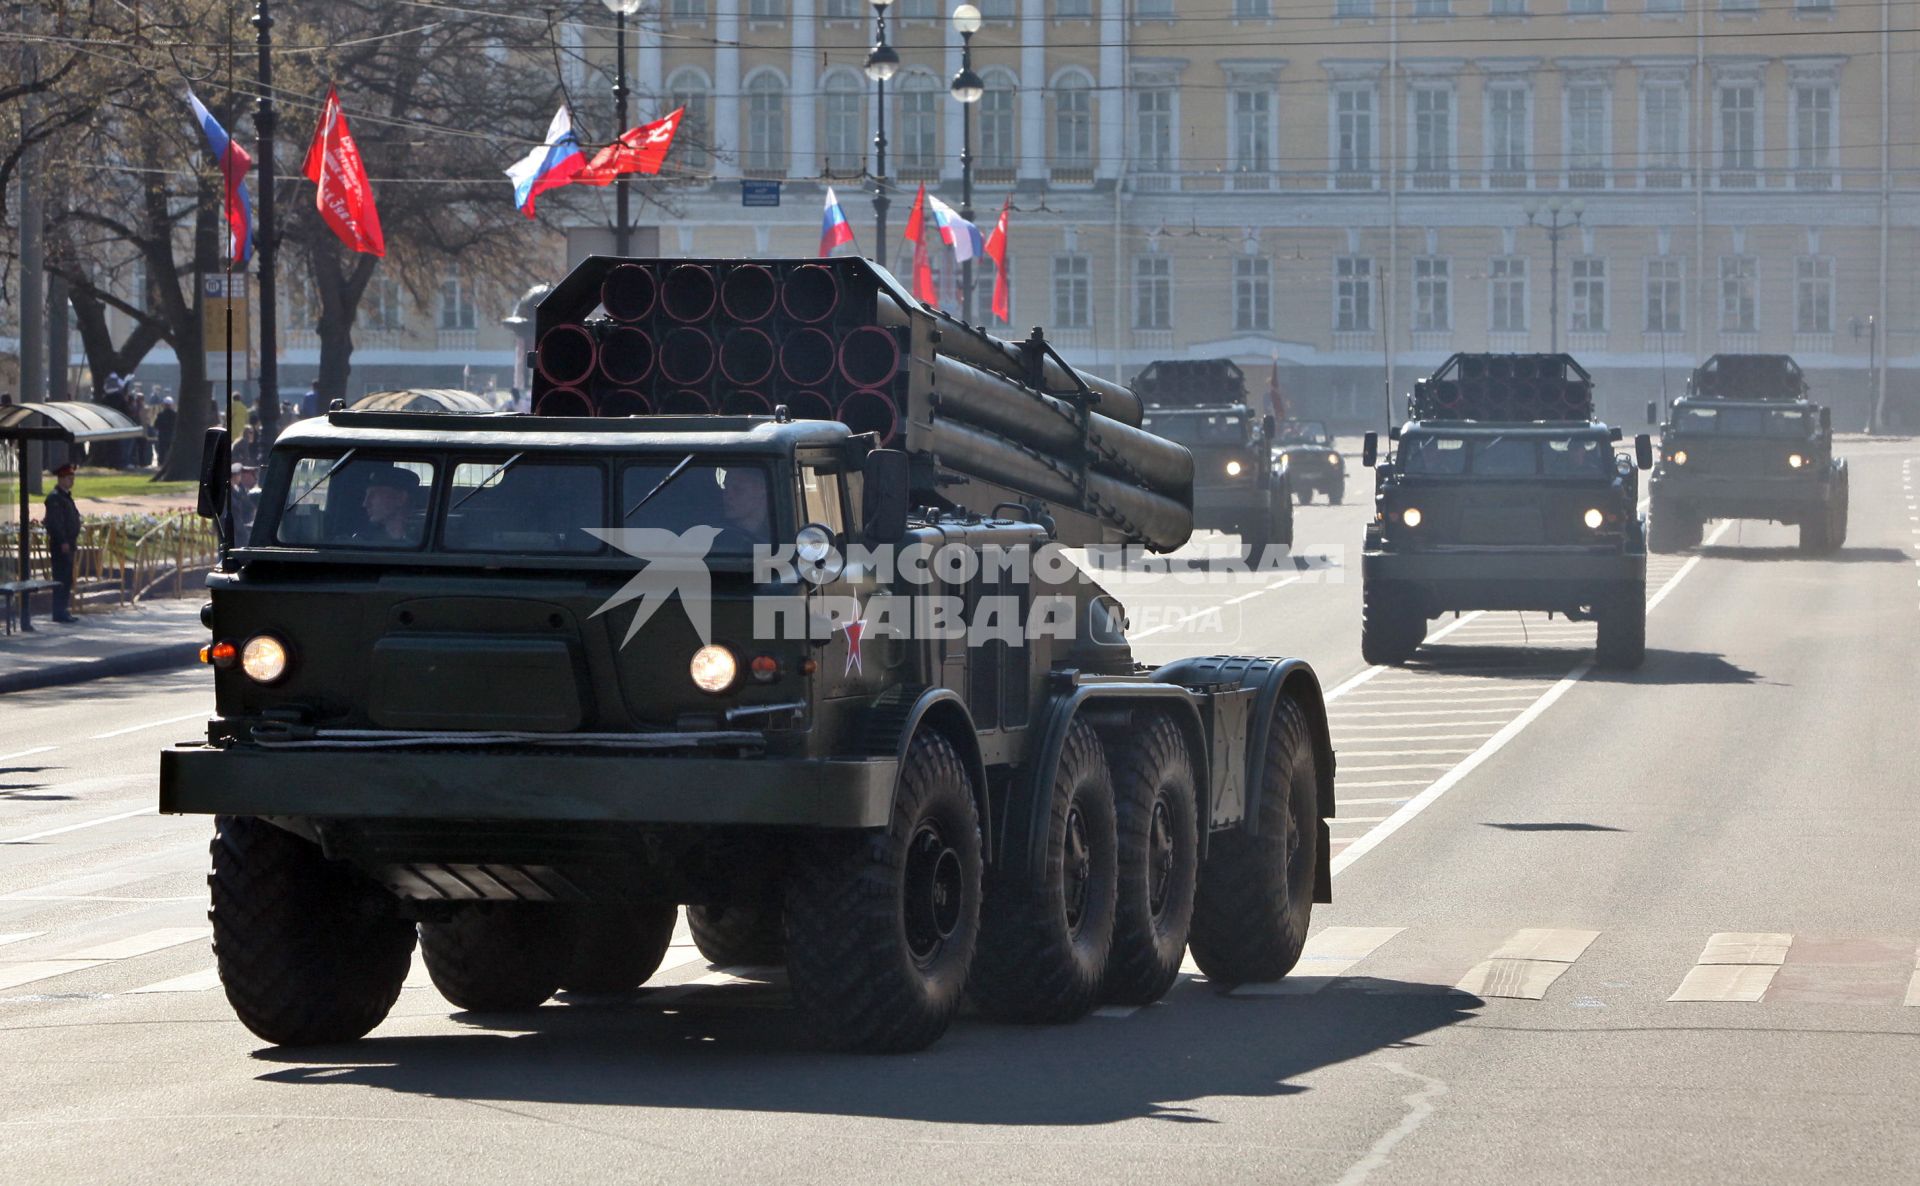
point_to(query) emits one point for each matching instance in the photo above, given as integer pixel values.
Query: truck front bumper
(1507, 578)
(1222, 507)
(1786, 500)
(518, 785)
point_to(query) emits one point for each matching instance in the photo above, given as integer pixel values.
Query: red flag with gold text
(345, 199)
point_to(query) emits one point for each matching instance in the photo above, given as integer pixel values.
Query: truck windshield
(1198, 428)
(735, 499)
(356, 500)
(1507, 456)
(518, 505)
(1737, 421)
(1304, 432)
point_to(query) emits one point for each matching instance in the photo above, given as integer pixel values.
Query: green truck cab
(1746, 442)
(1503, 493)
(1203, 405)
(1304, 454)
(519, 687)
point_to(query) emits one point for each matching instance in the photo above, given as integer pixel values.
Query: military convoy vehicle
(466, 691)
(1203, 405)
(1503, 493)
(1746, 442)
(1304, 455)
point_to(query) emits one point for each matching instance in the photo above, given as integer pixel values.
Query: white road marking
(1742, 947)
(201, 981)
(192, 716)
(1386, 782)
(1367, 802)
(1327, 956)
(1526, 965)
(1423, 712)
(1396, 766)
(27, 753)
(18, 936)
(1725, 982)
(1434, 699)
(1211, 609)
(1417, 737)
(1357, 819)
(1400, 753)
(1559, 945)
(28, 839)
(15, 975)
(1363, 676)
(142, 944)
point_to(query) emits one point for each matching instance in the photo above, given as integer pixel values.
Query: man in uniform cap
(63, 536)
(389, 505)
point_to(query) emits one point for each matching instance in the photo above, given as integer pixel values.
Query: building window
(1814, 5)
(1507, 284)
(924, 10)
(919, 125)
(1432, 132)
(1072, 10)
(766, 124)
(1509, 8)
(1432, 295)
(456, 302)
(688, 10)
(997, 10)
(1252, 293)
(843, 10)
(1666, 295)
(1586, 7)
(1507, 132)
(1153, 292)
(1664, 127)
(1072, 292)
(1432, 7)
(1353, 294)
(1739, 5)
(1813, 295)
(1252, 130)
(766, 10)
(1073, 124)
(1813, 127)
(384, 308)
(1153, 130)
(693, 142)
(1673, 6)
(1587, 312)
(1587, 147)
(997, 126)
(1251, 10)
(1739, 280)
(1740, 127)
(1353, 129)
(846, 123)
(1353, 9)
(1153, 10)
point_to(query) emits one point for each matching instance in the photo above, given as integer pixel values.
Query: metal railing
(121, 560)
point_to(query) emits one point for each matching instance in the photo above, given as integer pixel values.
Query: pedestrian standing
(63, 539)
(310, 402)
(163, 424)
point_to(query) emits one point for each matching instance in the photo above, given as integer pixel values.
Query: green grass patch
(98, 484)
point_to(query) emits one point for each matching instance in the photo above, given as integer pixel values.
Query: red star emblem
(855, 632)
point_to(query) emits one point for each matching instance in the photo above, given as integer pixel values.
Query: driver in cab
(389, 504)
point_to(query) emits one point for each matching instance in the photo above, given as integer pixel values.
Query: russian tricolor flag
(549, 166)
(835, 230)
(964, 237)
(234, 163)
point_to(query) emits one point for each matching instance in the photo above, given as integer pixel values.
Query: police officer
(63, 537)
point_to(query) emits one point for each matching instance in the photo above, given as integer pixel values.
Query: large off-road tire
(616, 948)
(882, 926)
(496, 957)
(1840, 509)
(1045, 933)
(1157, 824)
(1621, 640)
(307, 951)
(1391, 624)
(1255, 897)
(735, 936)
(1336, 492)
(1816, 534)
(1303, 495)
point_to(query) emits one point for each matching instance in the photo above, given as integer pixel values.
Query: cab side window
(822, 499)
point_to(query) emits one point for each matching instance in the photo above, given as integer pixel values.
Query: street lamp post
(968, 89)
(1555, 228)
(883, 62)
(621, 9)
(267, 245)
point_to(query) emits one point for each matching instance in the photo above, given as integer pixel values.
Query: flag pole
(267, 405)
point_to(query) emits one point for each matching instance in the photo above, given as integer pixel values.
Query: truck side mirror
(1370, 450)
(884, 487)
(1643, 451)
(1653, 411)
(1615, 434)
(216, 474)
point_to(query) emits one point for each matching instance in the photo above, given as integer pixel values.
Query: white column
(803, 98)
(950, 158)
(1113, 96)
(728, 142)
(649, 73)
(1033, 77)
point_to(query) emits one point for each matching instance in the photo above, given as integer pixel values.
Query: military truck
(1303, 453)
(1503, 493)
(1747, 442)
(523, 685)
(1202, 404)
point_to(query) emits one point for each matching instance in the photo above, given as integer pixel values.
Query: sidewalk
(148, 637)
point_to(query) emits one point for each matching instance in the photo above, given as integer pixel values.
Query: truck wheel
(1045, 935)
(1304, 495)
(1816, 534)
(881, 926)
(733, 936)
(1669, 529)
(1255, 897)
(1840, 500)
(496, 957)
(615, 948)
(1621, 641)
(306, 954)
(1154, 820)
(1391, 627)
(1336, 492)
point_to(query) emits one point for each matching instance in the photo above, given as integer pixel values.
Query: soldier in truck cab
(389, 505)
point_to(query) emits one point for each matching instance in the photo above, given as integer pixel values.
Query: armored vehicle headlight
(1593, 518)
(714, 669)
(1411, 516)
(1233, 469)
(1333, 459)
(1795, 460)
(264, 659)
(1679, 457)
(813, 543)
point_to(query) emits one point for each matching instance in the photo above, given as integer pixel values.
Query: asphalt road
(1535, 859)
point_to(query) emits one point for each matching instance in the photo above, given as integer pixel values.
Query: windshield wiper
(662, 485)
(321, 480)
(504, 467)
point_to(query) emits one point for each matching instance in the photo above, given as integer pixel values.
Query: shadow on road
(755, 1056)
(1843, 556)
(1553, 827)
(1523, 662)
(1665, 667)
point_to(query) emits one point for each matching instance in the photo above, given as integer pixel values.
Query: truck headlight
(1795, 460)
(1411, 516)
(264, 658)
(714, 669)
(1333, 459)
(1593, 518)
(1233, 469)
(1679, 457)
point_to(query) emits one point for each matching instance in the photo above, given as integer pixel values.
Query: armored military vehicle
(763, 613)
(1503, 493)
(1202, 404)
(1303, 453)
(1746, 442)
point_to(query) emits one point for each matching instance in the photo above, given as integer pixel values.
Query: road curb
(129, 662)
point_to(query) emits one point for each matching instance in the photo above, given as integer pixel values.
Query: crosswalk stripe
(1525, 966)
(1326, 957)
(1747, 947)
(143, 944)
(200, 981)
(15, 975)
(1725, 982)
(1560, 945)
(18, 936)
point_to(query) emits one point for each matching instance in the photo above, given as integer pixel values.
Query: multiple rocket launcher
(1505, 388)
(985, 421)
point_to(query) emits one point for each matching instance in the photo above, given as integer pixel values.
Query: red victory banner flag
(997, 252)
(923, 288)
(638, 150)
(344, 199)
